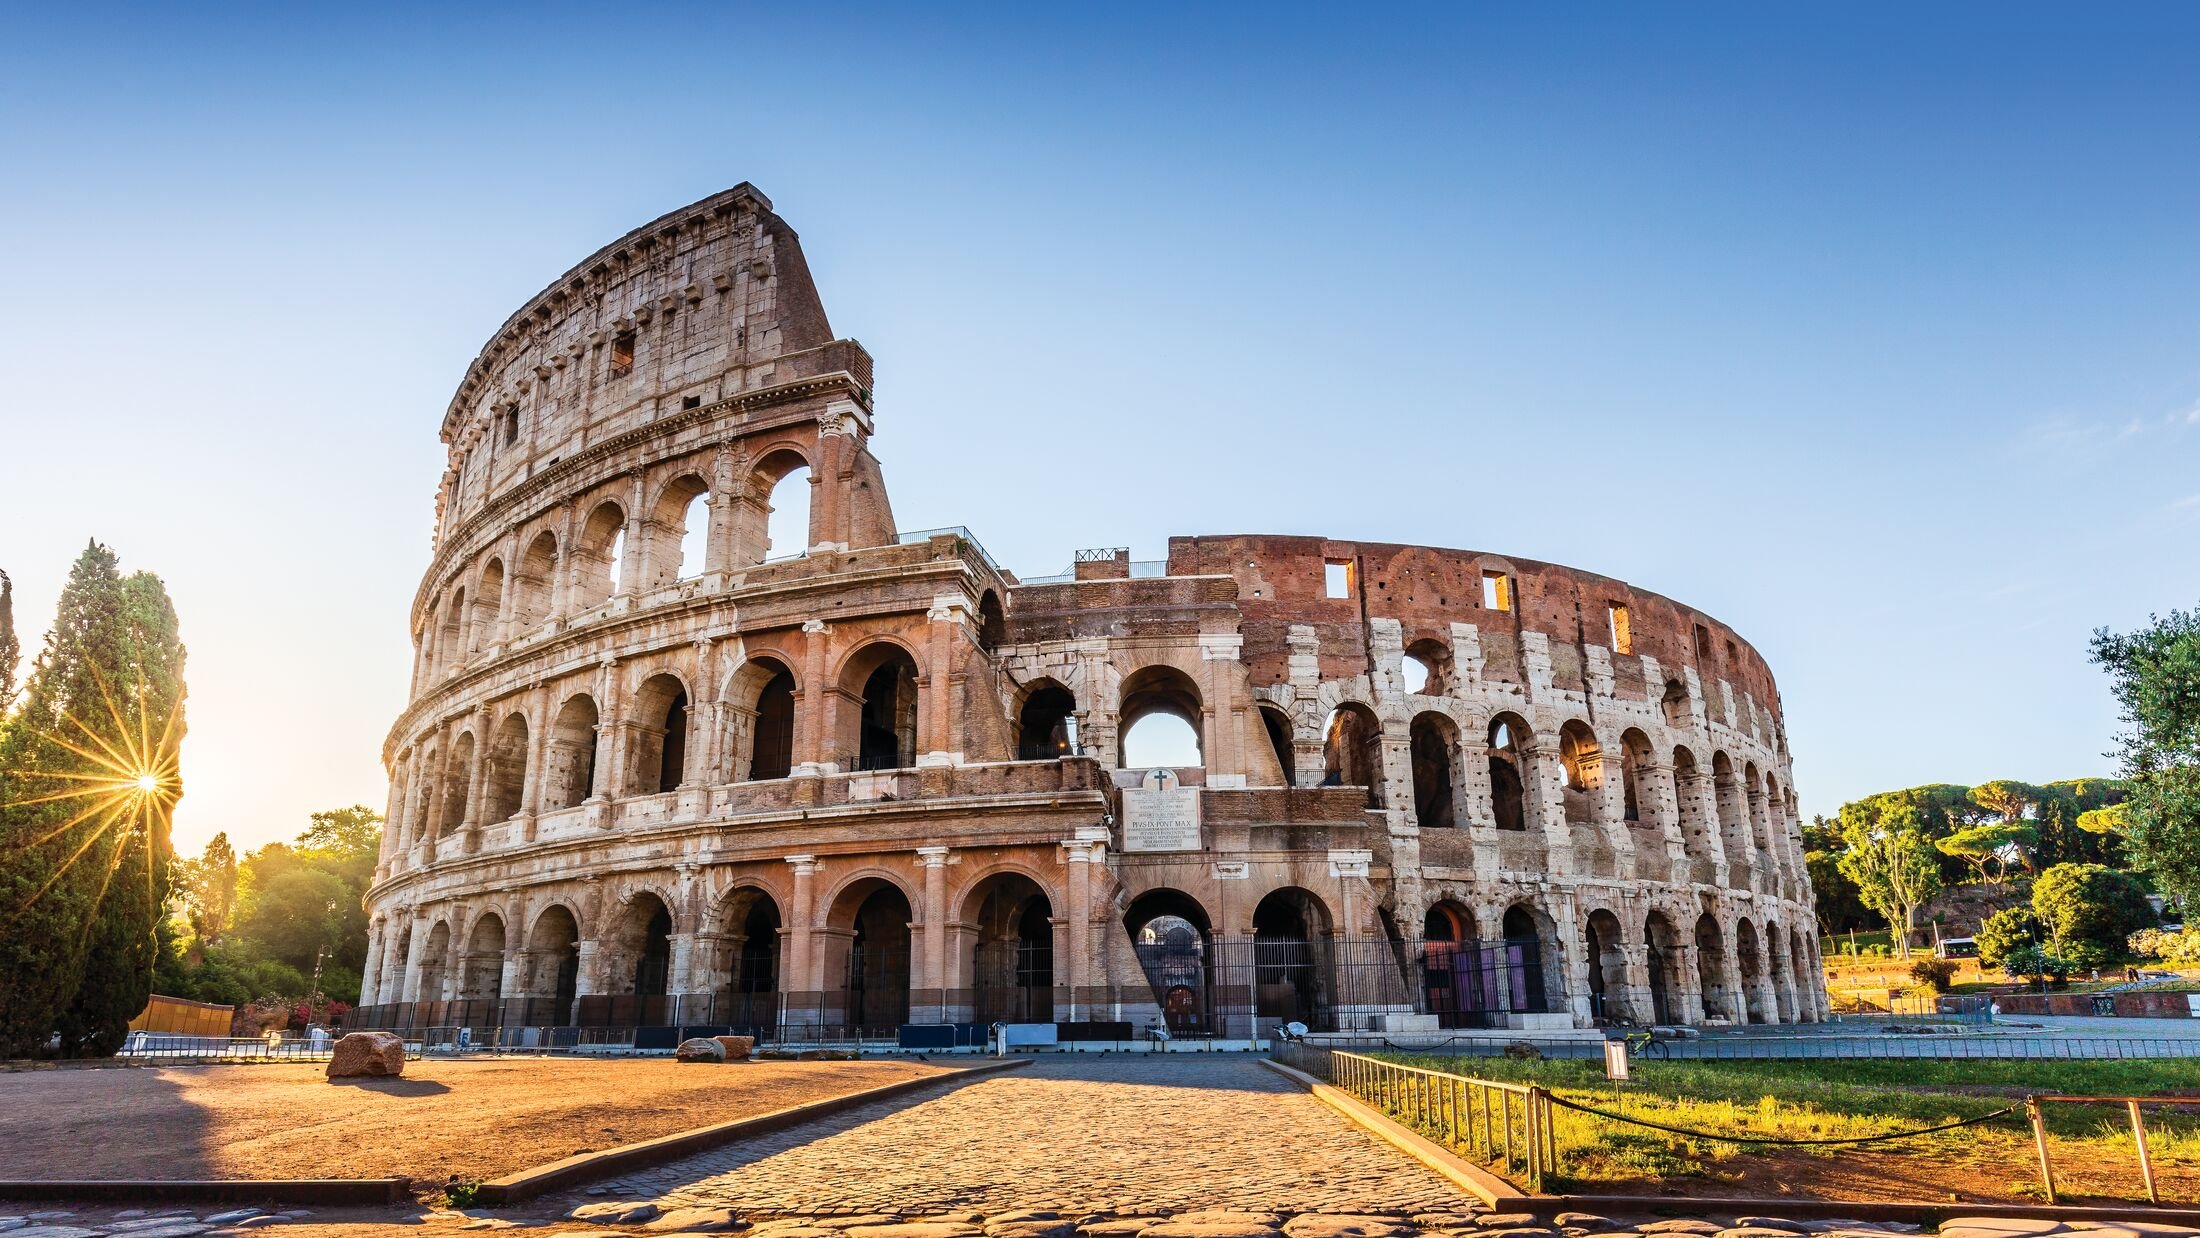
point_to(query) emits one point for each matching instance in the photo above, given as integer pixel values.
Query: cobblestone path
(1080, 1134)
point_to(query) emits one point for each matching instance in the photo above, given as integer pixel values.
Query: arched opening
(682, 521)
(642, 963)
(1160, 719)
(659, 760)
(1428, 667)
(1524, 984)
(1583, 761)
(1776, 969)
(1169, 933)
(1456, 973)
(749, 1001)
(504, 782)
(883, 678)
(763, 720)
(1674, 703)
(1278, 728)
(1711, 969)
(555, 947)
(1606, 949)
(1046, 726)
(786, 528)
(450, 641)
(1291, 981)
(488, 596)
(874, 915)
(435, 963)
(1352, 751)
(1634, 758)
(1011, 932)
(484, 976)
(1662, 944)
(1435, 741)
(1750, 963)
(992, 624)
(570, 765)
(532, 588)
(1508, 759)
(596, 559)
(456, 775)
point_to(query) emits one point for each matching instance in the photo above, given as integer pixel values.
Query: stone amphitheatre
(658, 771)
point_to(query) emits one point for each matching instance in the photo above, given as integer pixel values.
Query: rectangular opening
(693, 401)
(1337, 578)
(511, 424)
(1497, 593)
(1623, 637)
(1703, 643)
(622, 354)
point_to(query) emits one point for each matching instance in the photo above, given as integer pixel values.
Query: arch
(1008, 925)
(1714, 979)
(1433, 658)
(1150, 696)
(679, 531)
(569, 766)
(596, 555)
(1457, 971)
(1749, 967)
(641, 949)
(435, 963)
(1435, 744)
(773, 520)
(762, 718)
(457, 776)
(1508, 757)
(659, 728)
(1277, 724)
(881, 731)
(533, 585)
(1171, 935)
(481, 623)
(750, 928)
(1604, 945)
(992, 624)
(482, 978)
(872, 913)
(1634, 763)
(1292, 980)
(553, 978)
(1582, 758)
(1662, 946)
(1046, 723)
(1530, 968)
(1352, 751)
(504, 780)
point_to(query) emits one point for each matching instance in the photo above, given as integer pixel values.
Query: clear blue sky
(1873, 330)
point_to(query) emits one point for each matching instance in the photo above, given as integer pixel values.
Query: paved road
(1080, 1134)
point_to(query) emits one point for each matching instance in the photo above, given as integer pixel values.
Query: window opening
(1496, 591)
(1337, 578)
(622, 354)
(1623, 635)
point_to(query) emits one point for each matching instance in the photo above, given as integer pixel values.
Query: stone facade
(656, 770)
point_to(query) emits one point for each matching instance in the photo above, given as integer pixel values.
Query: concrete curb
(1477, 1181)
(528, 1183)
(330, 1192)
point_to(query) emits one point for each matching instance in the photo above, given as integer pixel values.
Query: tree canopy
(2155, 675)
(1891, 859)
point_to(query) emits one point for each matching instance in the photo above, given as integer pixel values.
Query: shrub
(2035, 961)
(2182, 946)
(2089, 910)
(1938, 973)
(2004, 931)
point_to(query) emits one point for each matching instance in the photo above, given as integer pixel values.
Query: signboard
(1161, 815)
(1615, 1060)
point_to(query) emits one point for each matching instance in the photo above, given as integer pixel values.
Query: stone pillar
(933, 975)
(1086, 848)
(798, 975)
(371, 971)
(812, 738)
(631, 560)
(415, 956)
(936, 742)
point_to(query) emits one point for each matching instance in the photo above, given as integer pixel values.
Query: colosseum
(659, 773)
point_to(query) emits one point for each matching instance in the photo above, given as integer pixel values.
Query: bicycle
(1646, 1043)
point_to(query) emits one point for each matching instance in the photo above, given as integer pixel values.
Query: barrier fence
(1503, 1125)
(1719, 1047)
(161, 1046)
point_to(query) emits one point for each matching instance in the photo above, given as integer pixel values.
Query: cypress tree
(84, 853)
(11, 649)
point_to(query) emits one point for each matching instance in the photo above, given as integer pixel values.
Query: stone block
(359, 1055)
(699, 1049)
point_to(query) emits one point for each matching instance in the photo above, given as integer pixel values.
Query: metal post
(2039, 1140)
(2146, 1162)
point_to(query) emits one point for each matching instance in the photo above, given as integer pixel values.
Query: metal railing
(1505, 1125)
(169, 1047)
(2138, 1133)
(1804, 1046)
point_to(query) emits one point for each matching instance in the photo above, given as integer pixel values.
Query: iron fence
(1801, 1046)
(1504, 1125)
(167, 1047)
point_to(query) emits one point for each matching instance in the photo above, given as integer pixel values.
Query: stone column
(812, 738)
(637, 536)
(1086, 848)
(799, 973)
(935, 743)
(934, 912)
(371, 972)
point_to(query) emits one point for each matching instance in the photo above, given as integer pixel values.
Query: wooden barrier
(175, 1016)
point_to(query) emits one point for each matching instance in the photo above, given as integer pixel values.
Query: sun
(148, 783)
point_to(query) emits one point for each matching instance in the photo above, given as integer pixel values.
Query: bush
(2004, 931)
(2089, 910)
(2180, 947)
(2034, 961)
(1938, 973)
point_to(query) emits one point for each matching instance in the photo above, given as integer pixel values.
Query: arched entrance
(1663, 945)
(556, 968)
(1291, 980)
(1455, 983)
(749, 1000)
(1011, 929)
(1711, 969)
(1524, 985)
(874, 981)
(1169, 933)
(1606, 949)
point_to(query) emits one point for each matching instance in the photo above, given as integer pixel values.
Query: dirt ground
(1988, 1171)
(473, 1119)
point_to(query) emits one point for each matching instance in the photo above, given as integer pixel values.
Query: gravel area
(474, 1119)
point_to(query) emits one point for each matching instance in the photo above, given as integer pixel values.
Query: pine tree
(84, 850)
(11, 649)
